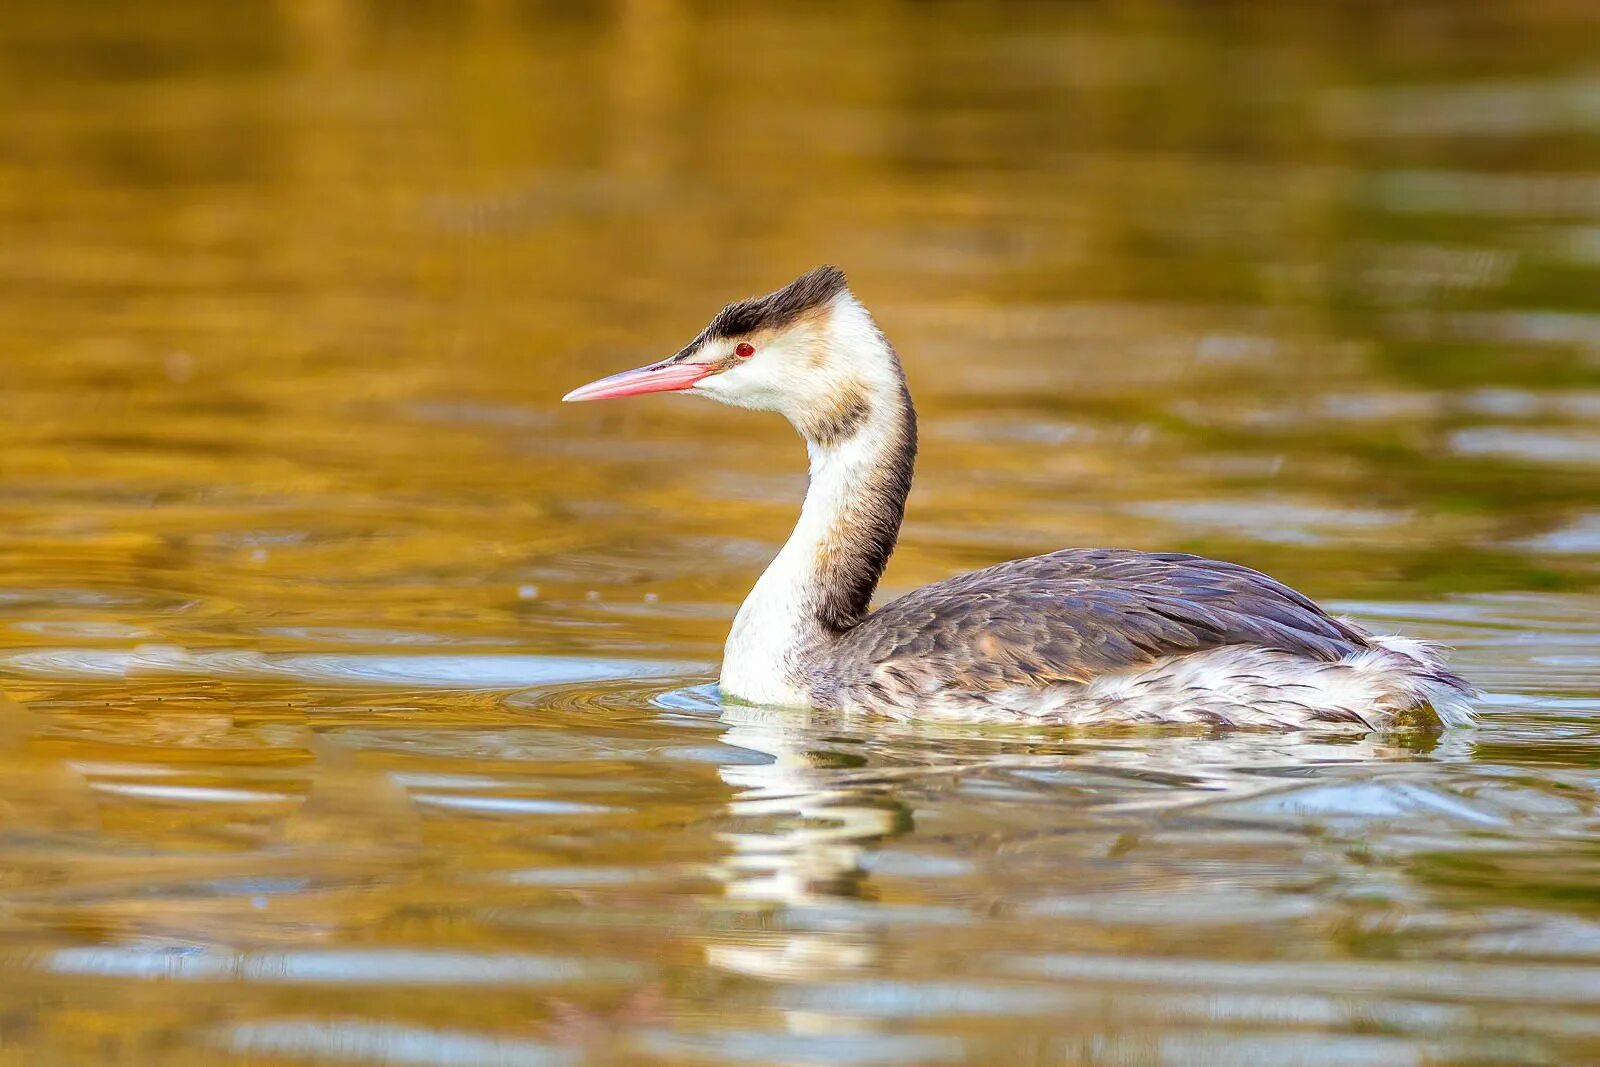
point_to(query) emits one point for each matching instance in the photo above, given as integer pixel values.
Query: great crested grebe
(1080, 636)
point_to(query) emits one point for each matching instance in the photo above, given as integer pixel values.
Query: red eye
(744, 349)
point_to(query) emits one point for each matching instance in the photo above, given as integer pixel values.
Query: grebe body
(1077, 637)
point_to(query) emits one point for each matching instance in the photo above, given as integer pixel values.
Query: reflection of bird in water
(1077, 636)
(823, 832)
(805, 836)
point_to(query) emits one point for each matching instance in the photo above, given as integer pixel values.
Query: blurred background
(360, 709)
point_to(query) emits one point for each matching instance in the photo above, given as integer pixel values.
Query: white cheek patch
(775, 378)
(807, 368)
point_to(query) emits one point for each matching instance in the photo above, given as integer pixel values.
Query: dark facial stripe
(837, 422)
(775, 310)
(778, 309)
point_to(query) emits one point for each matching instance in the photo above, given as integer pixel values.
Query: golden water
(359, 688)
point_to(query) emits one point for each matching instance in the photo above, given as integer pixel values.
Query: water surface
(357, 705)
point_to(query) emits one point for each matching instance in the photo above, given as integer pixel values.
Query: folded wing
(1073, 615)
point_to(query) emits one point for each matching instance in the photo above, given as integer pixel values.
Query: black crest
(805, 293)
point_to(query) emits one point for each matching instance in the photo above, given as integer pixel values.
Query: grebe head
(809, 351)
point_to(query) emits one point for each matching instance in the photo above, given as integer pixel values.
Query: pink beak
(663, 377)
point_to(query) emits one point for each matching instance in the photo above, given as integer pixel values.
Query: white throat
(783, 626)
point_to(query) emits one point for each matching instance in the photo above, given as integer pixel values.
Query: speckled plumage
(1101, 635)
(1072, 614)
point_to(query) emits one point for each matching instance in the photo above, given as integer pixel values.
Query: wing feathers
(1072, 615)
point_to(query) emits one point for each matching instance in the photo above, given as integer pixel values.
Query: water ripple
(376, 1042)
(374, 967)
(441, 671)
(1433, 979)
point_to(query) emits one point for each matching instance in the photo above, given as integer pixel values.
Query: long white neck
(861, 442)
